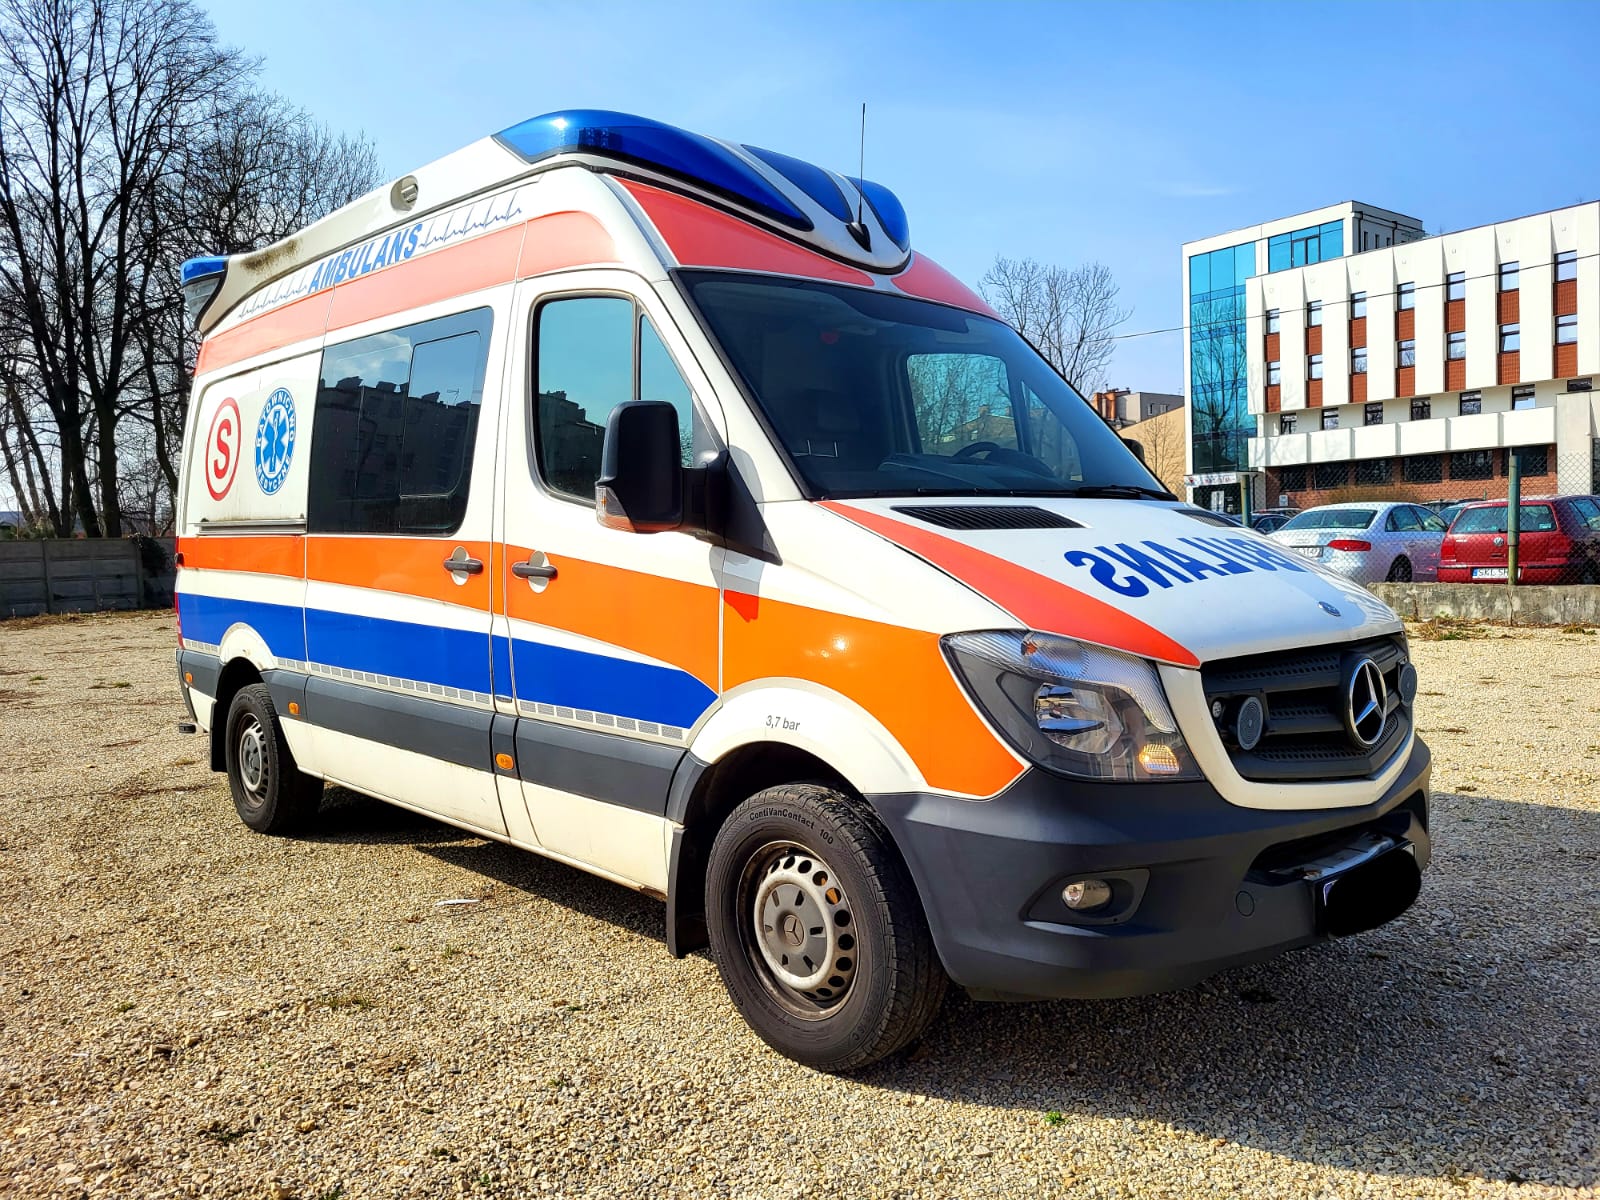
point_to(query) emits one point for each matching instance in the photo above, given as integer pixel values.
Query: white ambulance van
(646, 501)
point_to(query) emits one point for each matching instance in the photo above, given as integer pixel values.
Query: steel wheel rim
(252, 743)
(797, 929)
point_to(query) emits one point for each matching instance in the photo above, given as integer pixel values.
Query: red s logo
(222, 449)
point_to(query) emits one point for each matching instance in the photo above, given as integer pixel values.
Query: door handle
(463, 565)
(533, 570)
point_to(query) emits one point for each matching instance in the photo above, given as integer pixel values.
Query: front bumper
(1200, 882)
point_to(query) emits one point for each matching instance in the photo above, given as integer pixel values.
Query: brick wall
(1399, 489)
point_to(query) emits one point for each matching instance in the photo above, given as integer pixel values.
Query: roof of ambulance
(852, 220)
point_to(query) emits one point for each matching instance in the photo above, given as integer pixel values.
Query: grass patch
(1055, 1117)
(1578, 627)
(1447, 629)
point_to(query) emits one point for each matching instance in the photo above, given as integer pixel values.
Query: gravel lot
(192, 1009)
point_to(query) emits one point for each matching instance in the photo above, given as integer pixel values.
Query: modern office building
(1220, 291)
(1399, 363)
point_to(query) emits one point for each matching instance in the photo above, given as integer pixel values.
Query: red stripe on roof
(926, 278)
(1038, 602)
(701, 236)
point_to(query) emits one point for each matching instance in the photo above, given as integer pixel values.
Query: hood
(1160, 580)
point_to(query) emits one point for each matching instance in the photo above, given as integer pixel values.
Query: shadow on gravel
(351, 818)
(1461, 1040)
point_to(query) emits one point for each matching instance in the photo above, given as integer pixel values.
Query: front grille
(1303, 692)
(988, 516)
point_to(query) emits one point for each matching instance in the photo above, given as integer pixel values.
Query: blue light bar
(673, 151)
(199, 268)
(810, 179)
(891, 213)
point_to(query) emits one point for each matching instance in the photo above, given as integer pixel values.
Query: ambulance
(646, 501)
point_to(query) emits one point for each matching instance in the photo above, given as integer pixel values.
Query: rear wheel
(269, 791)
(1400, 570)
(817, 930)
(1591, 574)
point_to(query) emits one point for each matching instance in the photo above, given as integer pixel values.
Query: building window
(1508, 277)
(1272, 320)
(1314, 244)
(1423, 468)
(1510, 339)
(1358, 360)
(1455, 346)
(1405, 296)
(1358, 305)
(1314, 314)
(1471, 403)
(1421, 409)
(1286, 423)
(1328, 476)
(1372, 471)
(1374, 413)
(1535, 460)
(395, 428)
(1313, 366)
(1274, 373)
(1522, 397)
(1330, 418)
(1566, 329)
(1455, 286)
(1405, 353)
(1472, 464)
(1292, 479)
(1566, 265)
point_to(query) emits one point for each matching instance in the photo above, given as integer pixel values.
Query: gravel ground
(190, 1009)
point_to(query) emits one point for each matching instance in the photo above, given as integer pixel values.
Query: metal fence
(1446, 518)
(84, 575)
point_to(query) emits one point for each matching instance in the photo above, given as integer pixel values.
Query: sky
(1068, 131)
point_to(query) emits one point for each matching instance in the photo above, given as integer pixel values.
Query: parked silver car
(1368, 542)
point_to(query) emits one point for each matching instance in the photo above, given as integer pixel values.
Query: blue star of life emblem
(275, 441)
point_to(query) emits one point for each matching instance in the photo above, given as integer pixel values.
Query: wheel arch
(237, 673)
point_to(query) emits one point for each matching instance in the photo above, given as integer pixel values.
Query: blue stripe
(576, 679)
(207, 618)
(430, 653)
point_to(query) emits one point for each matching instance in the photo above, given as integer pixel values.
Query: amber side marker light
(294, 709)
(188, 676)
(504, 761)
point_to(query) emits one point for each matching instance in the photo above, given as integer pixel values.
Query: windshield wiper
(1118, 491)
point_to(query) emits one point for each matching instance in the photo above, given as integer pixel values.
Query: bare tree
(1070, 314)
(130, 139)
(1162, 437)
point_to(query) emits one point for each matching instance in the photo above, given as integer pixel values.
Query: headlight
(1073, 708)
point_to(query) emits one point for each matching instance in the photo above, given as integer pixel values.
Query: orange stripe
(564, 239)
(469, 267)
(261, 554)
(698, 235)
(294, 322)
(1035, 600)
(666, 619)
(898, 675)
(405, 566)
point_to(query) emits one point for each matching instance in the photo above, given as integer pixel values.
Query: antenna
(861, 171)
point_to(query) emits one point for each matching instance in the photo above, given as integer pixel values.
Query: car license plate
(1310, 551)
(1488, 572)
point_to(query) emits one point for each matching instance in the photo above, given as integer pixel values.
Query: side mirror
(1136, 447)
(640, 489)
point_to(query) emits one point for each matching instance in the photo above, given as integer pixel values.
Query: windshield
(1331, 518)
(872, 394)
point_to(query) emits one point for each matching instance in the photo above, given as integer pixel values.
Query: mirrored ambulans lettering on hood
(647, 501)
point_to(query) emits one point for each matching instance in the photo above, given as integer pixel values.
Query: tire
(269, 791)
(1400, 570)
(867, 981)
(1591, 574)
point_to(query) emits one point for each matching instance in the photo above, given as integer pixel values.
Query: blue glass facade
(1313, 244)
(1219, 414)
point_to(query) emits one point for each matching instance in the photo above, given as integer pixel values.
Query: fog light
(1083, 894)
(1158, 758)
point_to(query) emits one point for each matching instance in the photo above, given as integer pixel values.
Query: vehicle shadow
(1460, 1040)
(349, 817)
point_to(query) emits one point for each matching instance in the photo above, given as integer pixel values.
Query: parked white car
(1368, 542)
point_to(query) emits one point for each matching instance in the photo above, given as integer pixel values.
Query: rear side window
(1403, 519)
(1533, 518)
(1588, 511)
(594, 353)
(396, 422)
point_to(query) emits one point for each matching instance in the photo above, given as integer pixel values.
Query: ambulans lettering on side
(648, 502)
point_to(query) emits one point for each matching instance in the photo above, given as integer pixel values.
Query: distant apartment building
(1122, 407)
(1222, 281)
(1416, 365)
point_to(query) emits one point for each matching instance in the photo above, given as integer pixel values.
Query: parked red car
(1559, 542)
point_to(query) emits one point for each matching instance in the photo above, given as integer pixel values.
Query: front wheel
(817, 930)
(1400, 570)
